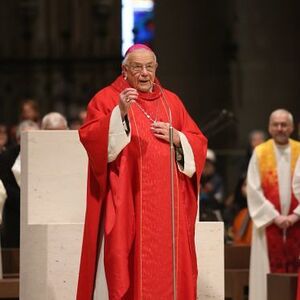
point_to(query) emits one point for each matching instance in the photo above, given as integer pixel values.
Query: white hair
(54, 121)
(26, 126)
(256, 132)
(282, 111)
(210, 155)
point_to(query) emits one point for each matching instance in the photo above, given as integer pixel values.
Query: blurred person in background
(79, 120)
(29, 110)
(236, 215)
(54, 121)
(256, 137)
(3, 138)
(10, 175)
(274, 210)
(82, 115)
(211, 191)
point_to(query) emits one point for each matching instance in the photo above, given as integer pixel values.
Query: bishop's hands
(285, 222)
(126, 98)
(161, 131)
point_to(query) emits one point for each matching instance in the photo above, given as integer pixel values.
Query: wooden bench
(9, 288)
(9, 285)
(282, 286)
(10, 260)
(237, 260)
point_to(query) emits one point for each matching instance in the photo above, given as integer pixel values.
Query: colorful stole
(283, 246)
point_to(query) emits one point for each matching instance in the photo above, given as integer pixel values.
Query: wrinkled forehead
(142, 56)
(281, 117)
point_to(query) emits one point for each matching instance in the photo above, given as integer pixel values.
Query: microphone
(229, 114)
(218, 122)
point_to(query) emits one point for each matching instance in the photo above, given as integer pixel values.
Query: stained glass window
(137, 22)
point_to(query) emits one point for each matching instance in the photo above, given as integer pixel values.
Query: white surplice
(263, 213)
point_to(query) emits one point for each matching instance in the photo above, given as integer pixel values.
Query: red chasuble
(132, 197)
(283, 248)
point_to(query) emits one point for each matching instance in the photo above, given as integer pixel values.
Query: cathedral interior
(231, 62)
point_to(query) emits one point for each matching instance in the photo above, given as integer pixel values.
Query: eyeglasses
(138, 68)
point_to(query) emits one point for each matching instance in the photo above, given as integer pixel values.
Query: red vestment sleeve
(94, 137)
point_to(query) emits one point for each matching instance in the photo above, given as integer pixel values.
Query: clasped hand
(159, 129)
(285, 222)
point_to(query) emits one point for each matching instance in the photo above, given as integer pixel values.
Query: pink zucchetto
(137, 47)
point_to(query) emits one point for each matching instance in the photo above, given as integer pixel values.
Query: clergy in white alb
(272, 205)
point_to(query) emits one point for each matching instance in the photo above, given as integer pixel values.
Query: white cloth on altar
(262, 213)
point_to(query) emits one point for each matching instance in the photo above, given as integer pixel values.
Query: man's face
(256, 139)
(140, 70)
(28, 112)
(280, 128)
(209, 168)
